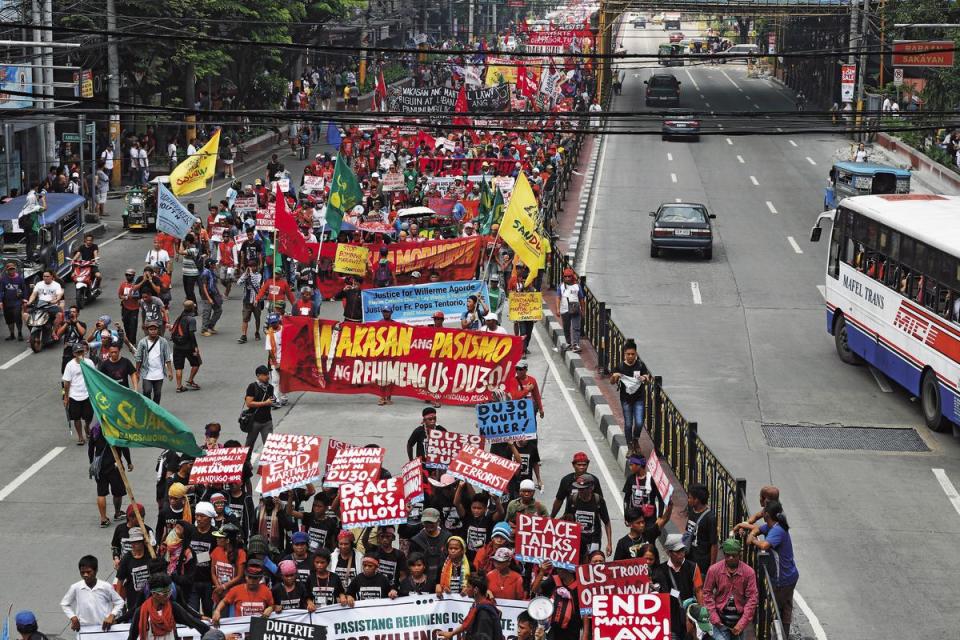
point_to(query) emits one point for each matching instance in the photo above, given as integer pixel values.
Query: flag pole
(133, 501)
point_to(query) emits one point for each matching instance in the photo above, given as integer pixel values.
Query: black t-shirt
(251, 250)
(88, 253)
(392, 564)
(589, 514)
(629, 548)
(120, 544)
(326, 590)
(296, 599)
(121, 370)
(369, 587)
(418, 440)
(631, 371)
(203, 545)
(476, 531)
(260, 393)
(566, 488)
(321, 532)
(133, 574)
(450, 520)
(407, 586)
(637, 493)
(704, 538)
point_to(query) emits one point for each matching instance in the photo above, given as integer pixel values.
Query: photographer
(72, 332)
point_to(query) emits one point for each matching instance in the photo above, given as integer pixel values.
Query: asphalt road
(49, 520)
(741, 341)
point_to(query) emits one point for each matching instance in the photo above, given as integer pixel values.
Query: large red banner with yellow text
(450, 366)
(454, 259)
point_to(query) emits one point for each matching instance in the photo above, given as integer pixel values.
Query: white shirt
(107, 157)
(91, 606)
(144, 159)
(267, 345)
(172, 152)
(48, 292)
(886, 105)
(500, 330)
(152, 369)
(861, 156)
(134, 157)
(73, 374)
(568, 292)
(157, 258)
(191, 150)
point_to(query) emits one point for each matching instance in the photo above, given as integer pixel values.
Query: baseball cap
(491, 316)
(430, 515)
(674, 542)
(25, 618)
(439, 315)
(528, 485)
(254, 567)
(137, 506)
(214, 634)
(262, 370)
(299, 538)
(522, 364)
(135, 535)
(151, 323)
(502, 554)
(586, 481)
(580, 456)
(205, 509)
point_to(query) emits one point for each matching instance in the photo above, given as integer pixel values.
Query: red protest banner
(411, 474)
(539, 539)
(291, 471)
(451, 366)
(482, 469)
(622, 576)
(631, 616)
(659, 477)
(334, 446)
(219, 466)
(372, 504)
(354, 464)
(444, 446)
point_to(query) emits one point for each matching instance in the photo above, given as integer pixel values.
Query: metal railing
(678, 444)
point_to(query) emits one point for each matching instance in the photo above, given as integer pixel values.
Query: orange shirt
(508, 587)
(249, 603)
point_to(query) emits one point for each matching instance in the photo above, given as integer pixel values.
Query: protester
(701, 529)
(274, 348)
(104, 470)
(259, 401)
(417, 442)
(630, 376)
(91, 601)
(211, 300)
(730, 593)
(76, 398)
(158, 616)
(153, 357)
(570, 299)
(183, 335)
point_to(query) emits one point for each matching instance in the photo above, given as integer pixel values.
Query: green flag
(128, 419)
(496, 210)
(345, 194)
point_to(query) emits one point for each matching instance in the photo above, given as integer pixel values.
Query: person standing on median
(630, 376)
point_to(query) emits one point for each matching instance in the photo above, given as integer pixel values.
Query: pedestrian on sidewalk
(259, 402)
(631, 376)
(776, 532)
(570, 301)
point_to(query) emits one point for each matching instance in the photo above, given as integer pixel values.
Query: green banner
(129, 419)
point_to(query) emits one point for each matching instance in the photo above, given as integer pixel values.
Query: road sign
(90, 129)
(915, 53)
(898, 77)
(71, 137)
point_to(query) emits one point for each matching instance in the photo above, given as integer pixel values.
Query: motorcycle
(82, 277)
(40, 318)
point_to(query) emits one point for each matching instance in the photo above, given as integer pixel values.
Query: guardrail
(678, 444)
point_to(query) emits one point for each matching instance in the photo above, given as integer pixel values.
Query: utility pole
(471, 8)
(37, 19)
(113, 92)
(862, 64)
(48, 81)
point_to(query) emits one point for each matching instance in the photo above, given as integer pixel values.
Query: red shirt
(276, 288)
(249, 603)
(534, 392)
(303, 307)
(508, 587)
(128, 303)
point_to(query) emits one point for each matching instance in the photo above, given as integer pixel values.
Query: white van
(731, 54)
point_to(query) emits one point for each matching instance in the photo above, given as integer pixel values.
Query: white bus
(893, 293)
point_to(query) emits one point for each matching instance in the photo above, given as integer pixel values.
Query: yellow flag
(192, 174)
(519, 226)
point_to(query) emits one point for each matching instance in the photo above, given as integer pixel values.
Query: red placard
(412, 477)
(622, 576)
(372, 504)
(631, 616)
(539, 539)
(219, 466)
(444, 446)
(333, 446)
(281, 445)
(451, 366)
(915, 53)
(659, 476)
(290, 471)
(482, 469)
(354, 464)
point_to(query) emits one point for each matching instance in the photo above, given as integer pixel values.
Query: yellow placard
(527, 305)
(351, 260)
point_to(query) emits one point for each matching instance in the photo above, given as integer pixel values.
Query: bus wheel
(843, 348)
(930, 403)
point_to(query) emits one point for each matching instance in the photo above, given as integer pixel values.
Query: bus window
(920, 258)
(906, 250)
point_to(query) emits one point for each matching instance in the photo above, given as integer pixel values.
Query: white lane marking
(695, 85)
(695, 290)
(756, 106)
(673, 177)
(740, 159)
(29, 471)
(707, 105)
(881, 380)
(948, 488)
(678, 200)
(729, 141)
(670, 156)
(116, 237)
(770, 206)
(792, 143)
(15, 359)
(812, 618)
(731, 81)
(779, 130)
(588, 237)
(823, 290)
(754, 181)
(702, 96)
(612, 486)
(811, 161)
(793, 243)
(747, 97)
(719, 124)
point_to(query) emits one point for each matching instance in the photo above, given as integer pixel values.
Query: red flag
(380, 94)
(525, 85)
(290, 241)
(423, 138)
(461, 107)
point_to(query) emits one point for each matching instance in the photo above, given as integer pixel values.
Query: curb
(586, 195)
(586, 384)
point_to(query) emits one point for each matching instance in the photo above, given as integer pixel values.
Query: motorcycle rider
(90, 252)
(47, 291)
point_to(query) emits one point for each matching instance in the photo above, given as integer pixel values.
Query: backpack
(486, 623)
(382, 275)
(178, 336)
(689, 537)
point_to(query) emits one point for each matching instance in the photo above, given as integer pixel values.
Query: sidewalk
(927, 174)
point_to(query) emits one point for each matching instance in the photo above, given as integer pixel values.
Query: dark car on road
(684, 226)
(640, 23)
(680, 126)
(662, 89)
